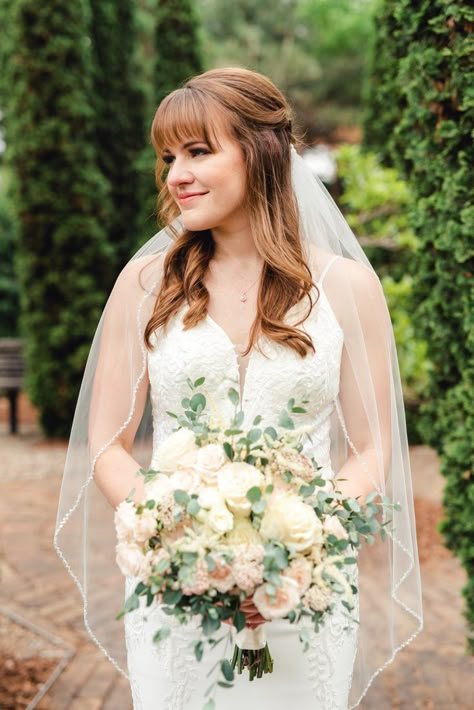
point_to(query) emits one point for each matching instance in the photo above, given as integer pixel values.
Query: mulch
(20, 680)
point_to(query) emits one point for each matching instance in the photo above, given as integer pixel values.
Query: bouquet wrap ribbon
(250, 639)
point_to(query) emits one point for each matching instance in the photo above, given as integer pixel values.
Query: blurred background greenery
(384, 85)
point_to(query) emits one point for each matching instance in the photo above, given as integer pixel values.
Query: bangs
(183, 115)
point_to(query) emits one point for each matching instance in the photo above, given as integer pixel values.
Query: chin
(196, 224)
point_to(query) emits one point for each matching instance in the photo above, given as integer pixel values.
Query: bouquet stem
(257, 661)
(251, 651)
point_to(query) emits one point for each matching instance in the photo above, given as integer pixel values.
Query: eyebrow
(186, 145)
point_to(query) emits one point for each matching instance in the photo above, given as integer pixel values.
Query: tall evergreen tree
(178, 54)
(119, 99)
(60, 198)
(177, 57)
(426, 79)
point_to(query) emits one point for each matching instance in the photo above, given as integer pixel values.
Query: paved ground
(432, 673)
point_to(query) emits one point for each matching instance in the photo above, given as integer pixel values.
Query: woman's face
(208, 185)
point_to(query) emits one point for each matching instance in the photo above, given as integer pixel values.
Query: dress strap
(327, 267)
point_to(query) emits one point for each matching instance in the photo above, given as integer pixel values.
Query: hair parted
(258, 117)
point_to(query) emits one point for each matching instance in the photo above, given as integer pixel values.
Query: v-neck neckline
(233, 346)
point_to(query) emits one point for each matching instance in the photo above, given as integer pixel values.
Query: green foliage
(376, 201)
(178, 55)
(313, 49)
(60, 199)
(119, 104)
(425, 129)
(9, 297)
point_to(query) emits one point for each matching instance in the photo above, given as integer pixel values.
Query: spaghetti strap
(326, 268)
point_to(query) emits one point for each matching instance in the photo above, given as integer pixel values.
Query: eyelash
(168, 159)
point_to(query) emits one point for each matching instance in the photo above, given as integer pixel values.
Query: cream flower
(210, 497)
(286, 599)
(243, 533)
(124, 519)
(129, 558)
(221, 577)
(220, 519)
(291, 521)
(185, 480)
(317, 598)
(234, 480)
(333, 526)
(178, 450)
(145, 525)
(300, 569)
(209, 459)
(157, 488)
(247, 566)
(298, 464)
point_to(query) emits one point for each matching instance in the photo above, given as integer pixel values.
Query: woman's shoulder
(336, 270)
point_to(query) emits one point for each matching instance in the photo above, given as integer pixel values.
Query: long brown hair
(258, 117)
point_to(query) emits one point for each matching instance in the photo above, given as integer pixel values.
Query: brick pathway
(432, 673)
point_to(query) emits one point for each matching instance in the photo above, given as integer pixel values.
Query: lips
(188, 196)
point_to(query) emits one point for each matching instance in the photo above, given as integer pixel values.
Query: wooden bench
(11, 375)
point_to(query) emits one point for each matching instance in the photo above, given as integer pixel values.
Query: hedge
(421, 117)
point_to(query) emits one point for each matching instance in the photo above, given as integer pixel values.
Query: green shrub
(375, 201)
(60, 199)
(421, 116)
(9, 296)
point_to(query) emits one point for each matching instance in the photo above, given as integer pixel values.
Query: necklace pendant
(243, 298)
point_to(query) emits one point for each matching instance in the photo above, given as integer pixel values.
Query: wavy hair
(258, 117)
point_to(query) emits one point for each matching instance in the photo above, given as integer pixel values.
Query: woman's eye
(199, 151)
(168, 159)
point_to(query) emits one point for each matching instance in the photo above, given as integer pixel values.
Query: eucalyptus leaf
(197, 400)
(285, 420)
(227, 670)
(233, 396)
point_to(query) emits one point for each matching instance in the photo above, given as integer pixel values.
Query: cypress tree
(178, 55)
(430, 47)
(119, 100)
(60, 198)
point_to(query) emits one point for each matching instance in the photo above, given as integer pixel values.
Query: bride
(258, 283)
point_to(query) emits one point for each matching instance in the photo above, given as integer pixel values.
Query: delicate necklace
(243, 295)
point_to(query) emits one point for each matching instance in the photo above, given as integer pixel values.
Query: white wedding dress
(168, 677)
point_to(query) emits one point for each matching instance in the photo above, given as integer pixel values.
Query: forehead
(186, 116)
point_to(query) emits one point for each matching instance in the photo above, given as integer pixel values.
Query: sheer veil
(368, 435)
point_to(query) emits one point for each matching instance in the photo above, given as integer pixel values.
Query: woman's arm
(365, 383)
(120, 388)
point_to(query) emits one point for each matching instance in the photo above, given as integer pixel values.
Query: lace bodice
(271, 376)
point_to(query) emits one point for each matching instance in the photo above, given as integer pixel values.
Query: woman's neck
(237, 247)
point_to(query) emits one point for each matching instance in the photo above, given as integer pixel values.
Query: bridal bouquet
(232, 514)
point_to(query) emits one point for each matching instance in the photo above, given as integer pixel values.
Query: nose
(179, 173)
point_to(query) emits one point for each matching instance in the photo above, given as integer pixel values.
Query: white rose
(243, 533)
(210, 497)
(129, 558)
(220, 519)
(286, 599)
(209, 460)
(158, 487)
(291, 521)
(185, 480)
(234, 480)
(145, 525)
(333, 526)
(124, 519)
(178, 450)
